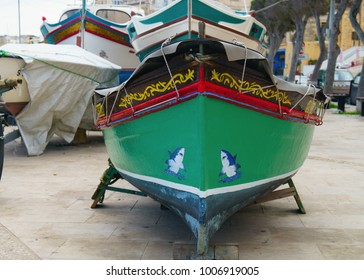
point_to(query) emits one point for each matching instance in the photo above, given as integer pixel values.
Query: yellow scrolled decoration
(100, 112)
(255, 89)
(311, 107)
(68, 31)
(159, 87)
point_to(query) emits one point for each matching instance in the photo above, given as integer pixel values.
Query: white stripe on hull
(207, 193)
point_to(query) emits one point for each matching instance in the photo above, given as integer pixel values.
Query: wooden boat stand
(187, 251)
(282, 193)
(111, 175)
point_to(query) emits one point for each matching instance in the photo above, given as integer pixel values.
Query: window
(113, 15)
(343, 75)
(68, 14)
(357, 80)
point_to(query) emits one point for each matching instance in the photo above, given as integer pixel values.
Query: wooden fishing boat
(204, 128)
(182, 19)
(98, 28)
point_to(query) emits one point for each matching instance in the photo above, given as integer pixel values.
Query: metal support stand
(290, 191)
(1, 145)
(11, 136)
(110, 176)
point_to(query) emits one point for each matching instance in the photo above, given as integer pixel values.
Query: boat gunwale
(113, 27)
(117, 32)
(138, 36)
(198, 19)
(63, 27)
(211, 90)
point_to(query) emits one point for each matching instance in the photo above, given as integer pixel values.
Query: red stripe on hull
(210, 90)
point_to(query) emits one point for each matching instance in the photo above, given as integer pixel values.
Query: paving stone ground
(45, 207)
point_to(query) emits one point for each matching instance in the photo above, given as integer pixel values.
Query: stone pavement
(45, 207)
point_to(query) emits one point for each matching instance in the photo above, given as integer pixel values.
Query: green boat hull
(205, 129)
(198, 184)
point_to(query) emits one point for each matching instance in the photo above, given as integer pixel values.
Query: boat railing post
(113, 105)
(245, 60)
(310, 110)
(280, 107)
(201, 34)
(299, 101)
(165, 43)
(189, 14)
(201, 29)
(130, 103)
(93, 103)
(322, 110)
(83, 16)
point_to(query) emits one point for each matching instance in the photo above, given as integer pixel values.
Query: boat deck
(45, 206)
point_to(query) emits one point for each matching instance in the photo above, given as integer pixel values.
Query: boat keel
(216, 251)
(203, 232)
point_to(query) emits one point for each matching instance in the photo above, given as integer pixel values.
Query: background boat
(18, 97)
(58, 82)
(98, 28)
(202, 127)
(182, 19)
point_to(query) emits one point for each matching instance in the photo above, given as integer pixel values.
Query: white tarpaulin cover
(61, 80)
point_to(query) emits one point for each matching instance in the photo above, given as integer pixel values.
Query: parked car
(354, 89)
(342, 81)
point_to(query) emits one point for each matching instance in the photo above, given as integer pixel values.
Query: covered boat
(55, 94)
(98, 28)
(204, 128)
(182, 19)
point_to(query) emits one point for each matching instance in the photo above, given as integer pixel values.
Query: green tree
(290, 15)
(276, 20)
